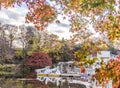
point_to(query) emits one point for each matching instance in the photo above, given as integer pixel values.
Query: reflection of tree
(28, 83)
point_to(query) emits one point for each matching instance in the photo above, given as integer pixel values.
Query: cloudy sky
(16, 16)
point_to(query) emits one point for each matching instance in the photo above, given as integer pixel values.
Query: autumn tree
(43, 41)
(11, 33)
(30, 38)
(61, 51)
(46, 41)
(40, 13)
(23, 39)
(110, 71)
(38, 60)
(65, 50)
(26, 36)
(6, 52)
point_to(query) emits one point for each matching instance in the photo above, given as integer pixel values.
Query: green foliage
(18, 52)
(61, 52)
(84, 52)
(25, 70)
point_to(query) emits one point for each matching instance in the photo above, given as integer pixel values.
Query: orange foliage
(110, 26)
(109, 71)
(40, 13)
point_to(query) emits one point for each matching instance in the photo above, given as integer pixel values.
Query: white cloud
(62, 28)
(16, 16)
(3, 15)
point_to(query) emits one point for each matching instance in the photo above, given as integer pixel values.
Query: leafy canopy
(109, 71)
(40, 13)
(38, 60)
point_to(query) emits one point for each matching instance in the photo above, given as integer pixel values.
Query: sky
(16, 16)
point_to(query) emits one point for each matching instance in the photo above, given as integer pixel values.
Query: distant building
(104, 54)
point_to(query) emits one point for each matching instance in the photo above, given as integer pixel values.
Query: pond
(33, 83)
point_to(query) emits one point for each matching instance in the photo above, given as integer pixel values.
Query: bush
(38, 60)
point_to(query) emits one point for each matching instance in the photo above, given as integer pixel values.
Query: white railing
(53, 75)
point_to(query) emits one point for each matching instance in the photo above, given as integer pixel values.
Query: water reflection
(33, 83)
(69, 80)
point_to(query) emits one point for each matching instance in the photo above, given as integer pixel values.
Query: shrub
(38, 60)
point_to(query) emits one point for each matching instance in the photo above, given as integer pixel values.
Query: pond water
(33, 83)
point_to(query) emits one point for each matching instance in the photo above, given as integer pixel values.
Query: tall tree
(11, 33)
(23, 39)
(6, 52)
